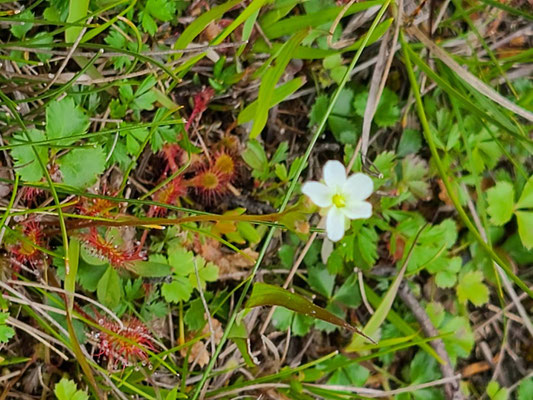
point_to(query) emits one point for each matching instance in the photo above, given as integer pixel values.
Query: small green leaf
(301, 324)
(410, 142)
(282, 318)
(181, 260)
(255, 156)
(19, 29)
(63, 120)
(66, 389)
(321, 280)
(525, 227)
(471, 287)
(525, 389)
(194, 316)
(80, 167)
(109, 290)
(526, 198)
(180, 289)
(500, 200)
(6, 333)
(26, 163)
(495, 392)
(150, 269)
(209, 273)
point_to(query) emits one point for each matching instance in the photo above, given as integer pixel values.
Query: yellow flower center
(339, 201)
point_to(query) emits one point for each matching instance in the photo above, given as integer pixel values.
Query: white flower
(341, 198)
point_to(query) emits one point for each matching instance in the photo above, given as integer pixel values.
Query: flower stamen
(339, 200)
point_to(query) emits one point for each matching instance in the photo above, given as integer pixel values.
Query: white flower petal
(334, 174)
(335, 224)
(358, 187)
(357, 209)
(319, 193)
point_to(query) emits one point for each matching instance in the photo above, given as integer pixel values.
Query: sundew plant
(266, 199)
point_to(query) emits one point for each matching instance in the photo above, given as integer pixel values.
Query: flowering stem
(445, 178)
(286, 200)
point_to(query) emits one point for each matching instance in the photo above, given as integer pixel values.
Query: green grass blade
(270, 80)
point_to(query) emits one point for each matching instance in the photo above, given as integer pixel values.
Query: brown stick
(452, 389)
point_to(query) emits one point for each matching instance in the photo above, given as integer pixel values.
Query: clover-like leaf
(471, 287)
(501, 200)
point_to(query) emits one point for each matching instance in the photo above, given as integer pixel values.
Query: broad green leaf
(495, 392)
(525, 389)
(525, 227)
(321, 280)
(526, 198)
(410, 142)
(26, 164)
(280, 93)
(76, 13)
(109, 289)
(89, 275)
(270, 80)
(500, 200)
(19, 29)
(269, 295)
(460, 341)
(66, 389)
(255, 156)
(150, 269)
(387, 111)
(282, 318)
(63, 120)
(181, 260)
(194, 316)
(301, 324)
(471, 287)
(180, 289)
(208, 273)
(80, 167)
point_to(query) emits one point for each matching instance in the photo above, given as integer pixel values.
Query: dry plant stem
(388, 393)
(340, 44)
(206, 309)
(362, 291)
(64, 292)
(452, 389)
(379, 75)
(42, 337)
(67, 58)
(465, 75)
